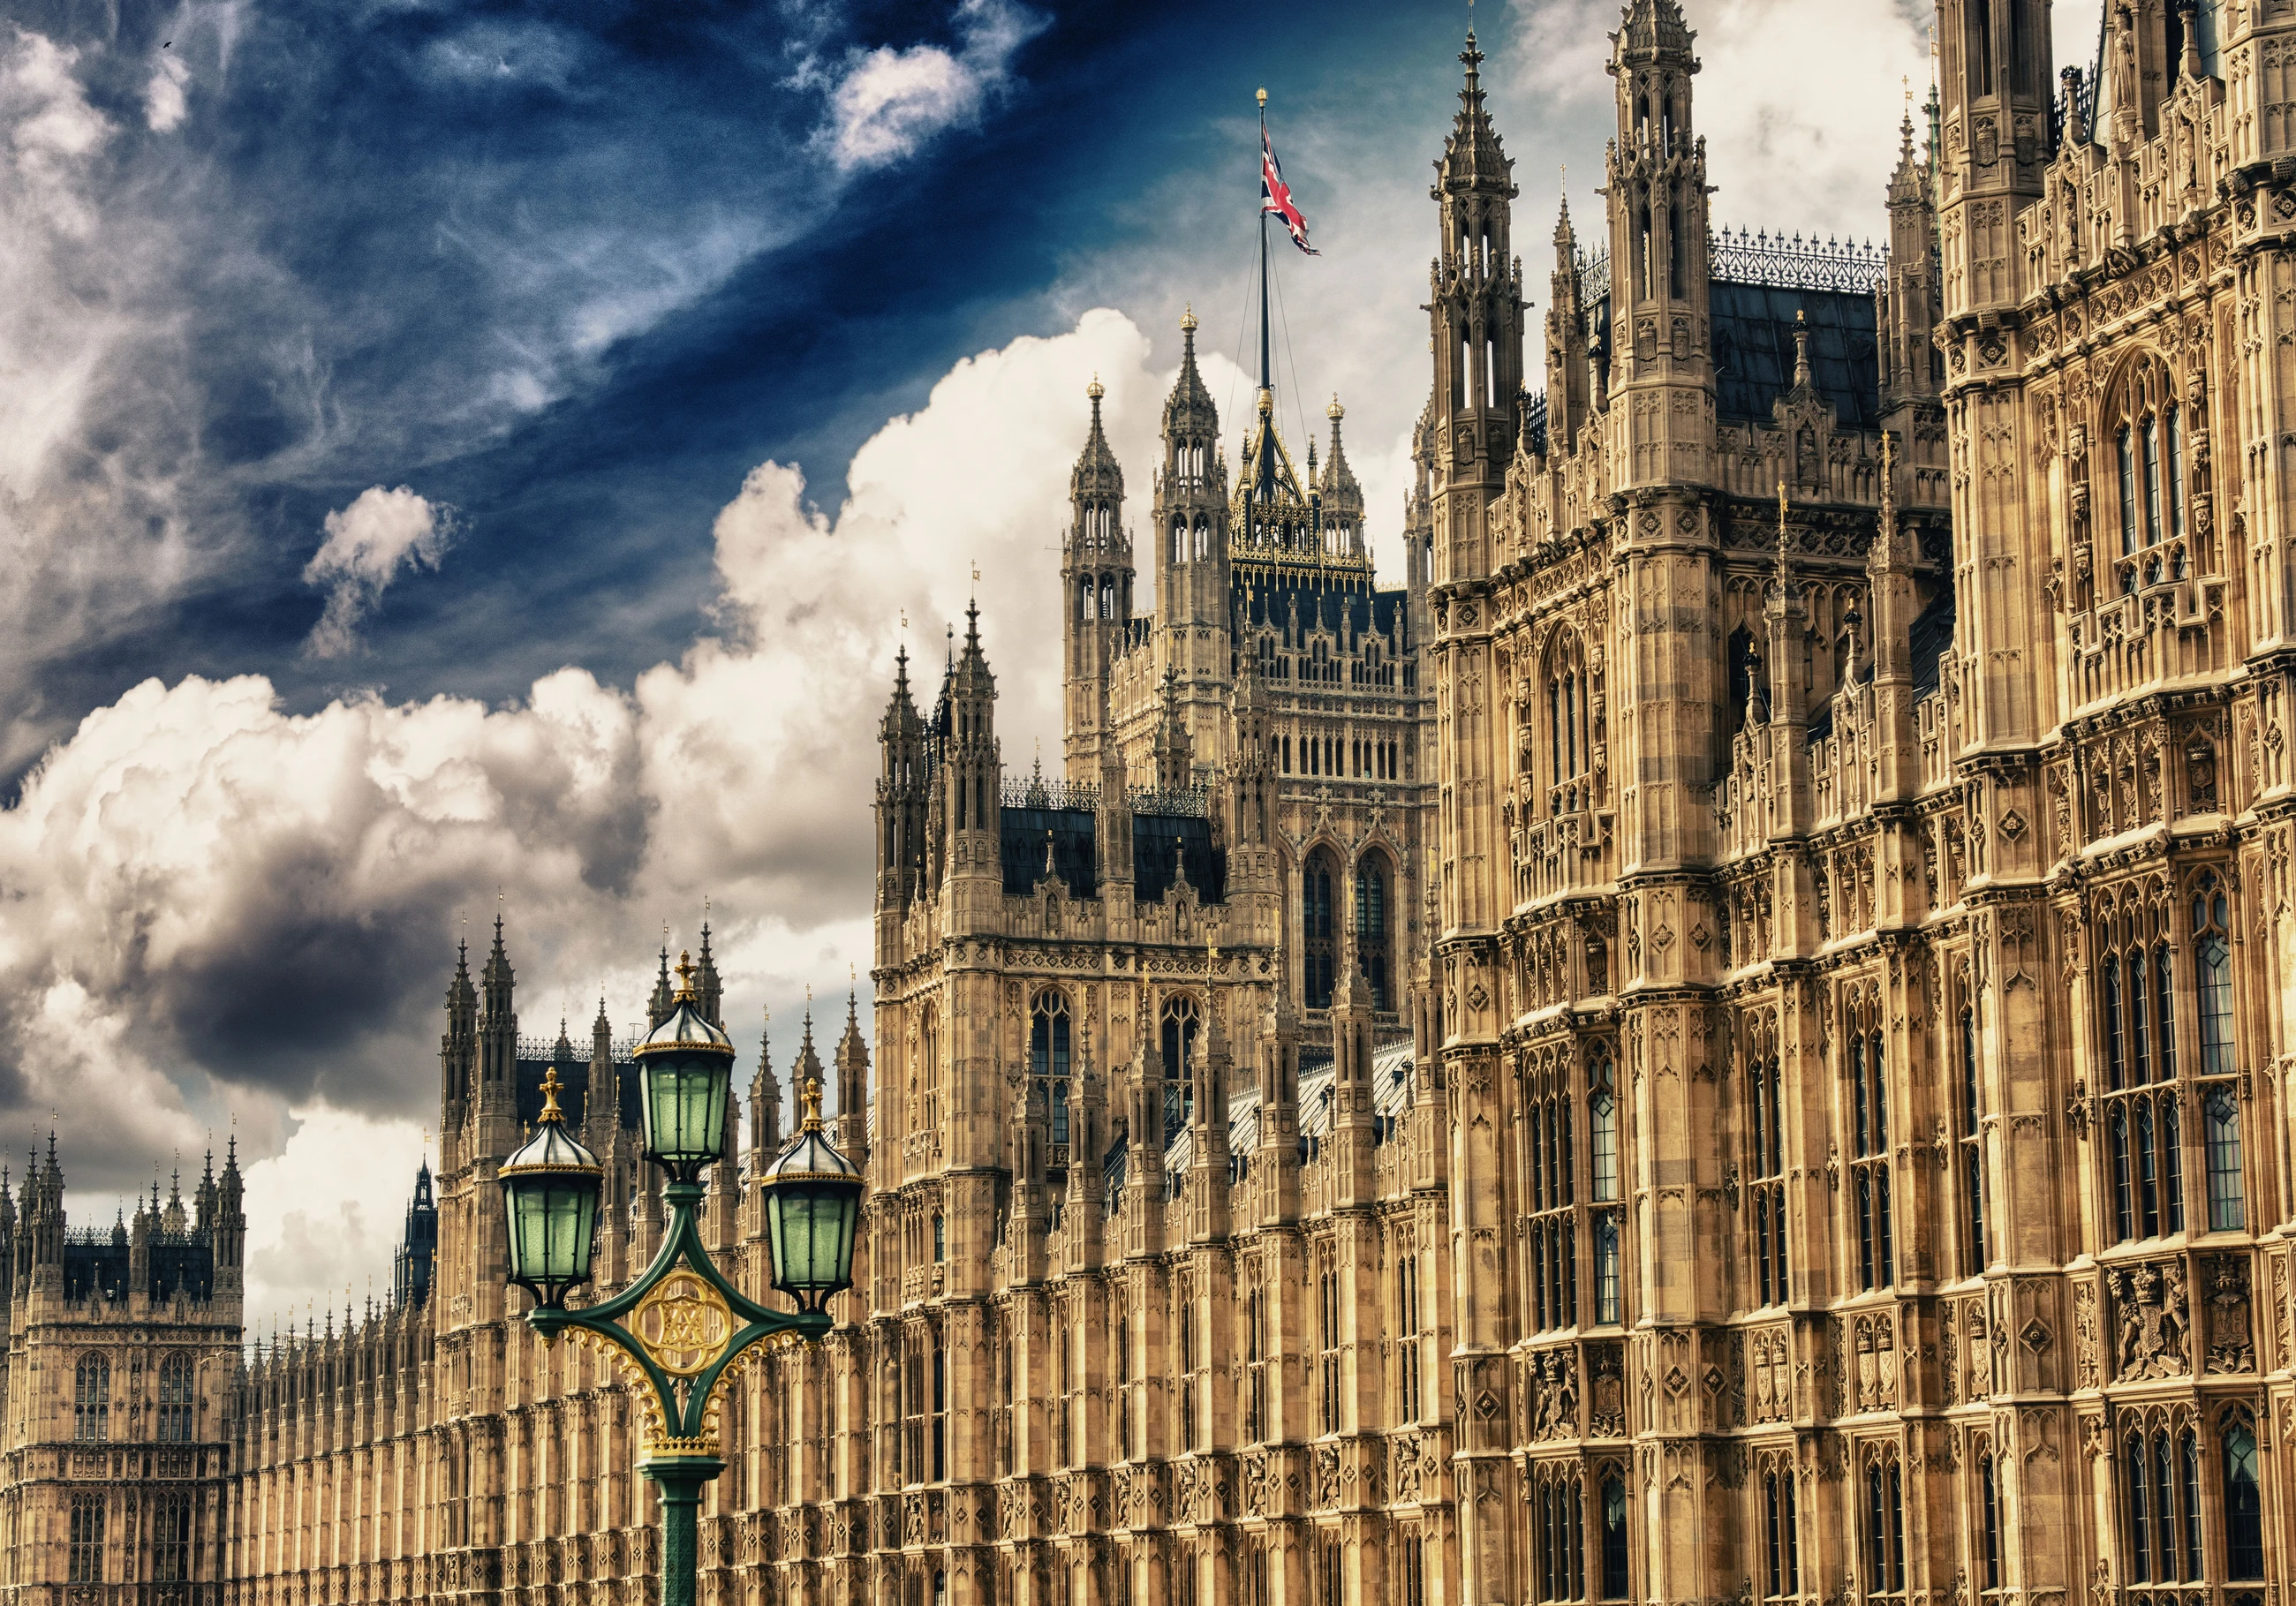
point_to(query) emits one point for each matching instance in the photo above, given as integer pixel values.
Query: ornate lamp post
(682, 1329)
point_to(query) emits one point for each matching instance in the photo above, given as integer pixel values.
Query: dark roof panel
(1754, 351)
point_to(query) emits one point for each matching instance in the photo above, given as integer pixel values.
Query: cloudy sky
(461, 456)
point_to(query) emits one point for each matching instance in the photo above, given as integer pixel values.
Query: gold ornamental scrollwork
(685, 1325)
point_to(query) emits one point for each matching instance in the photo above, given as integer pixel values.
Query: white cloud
(367, 544)
(199, 879)
(324, 1213)
(1797, 151)
(886, 103)
(163, 94)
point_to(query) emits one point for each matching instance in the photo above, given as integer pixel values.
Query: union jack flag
(1275, 195)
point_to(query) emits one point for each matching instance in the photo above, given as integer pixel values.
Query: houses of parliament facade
(1720, 1043)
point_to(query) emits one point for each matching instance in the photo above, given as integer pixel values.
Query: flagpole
(1263, 471)
(1263, 243)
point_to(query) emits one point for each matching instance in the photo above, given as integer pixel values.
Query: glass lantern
(813, 1204)
(550, 1192)
(686, 1078)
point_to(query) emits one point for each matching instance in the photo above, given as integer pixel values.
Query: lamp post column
(680, 1481)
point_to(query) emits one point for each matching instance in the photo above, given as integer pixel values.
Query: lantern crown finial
(811, 1094)
(684, 977)
(551, 1112)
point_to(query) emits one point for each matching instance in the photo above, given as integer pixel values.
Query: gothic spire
(1096, 474)
(1472, 158)
(1188, 410)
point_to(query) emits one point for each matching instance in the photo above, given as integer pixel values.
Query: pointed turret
(1343, 497)
(852, 1060)
(1174, 756)
(903, 795)
(1569, 376)
(231, 1220)
(970, 780)
(497, 1130)
(662, 1001)
(458, 1054)
(1905, 312)
(1476, 313)
(1191, 535)
(1096, 577)
(1659, 302)
(765, 1100)
(708, 992)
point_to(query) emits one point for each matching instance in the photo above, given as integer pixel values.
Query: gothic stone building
(116, 1393)
(1823, 1139)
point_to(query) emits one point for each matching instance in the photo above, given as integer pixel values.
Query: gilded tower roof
(1096, 474)
(1189, 410)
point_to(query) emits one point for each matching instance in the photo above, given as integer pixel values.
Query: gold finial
(1335, 412)
(1095, 391)
(1263, 100)
(1188, 319)
(550, 1110)
(811, 1095)
(684, 977)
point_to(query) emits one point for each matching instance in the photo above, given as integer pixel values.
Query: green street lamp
(682, 1329)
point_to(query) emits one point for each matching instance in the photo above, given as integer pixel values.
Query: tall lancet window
(1318, 948)
(1048, 1057)
(1180, 1021)
(1371, 926)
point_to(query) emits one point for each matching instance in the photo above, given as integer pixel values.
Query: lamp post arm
(696, 1356)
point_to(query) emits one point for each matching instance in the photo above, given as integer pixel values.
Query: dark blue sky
(376, 222)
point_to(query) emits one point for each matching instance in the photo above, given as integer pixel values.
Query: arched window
(171, 1539)
(2136, 1032)
(1318, 948)
(2244, 1503)
(1988, 1498)
(1179, 1022)
(1615, 1548)
(1602, 1158)
(1558, 1534)
(92, 1400)
(1571, 752)
(2218, 1088)
(1048, 1057)
(2148, 434)
(1781, 1534)
(176, 1398)
(1869, 1165)
(928, 1079)
(87, 1559)
(1371, 926)
(1884, 1527)
(1971, 1140)
(1766, 1144)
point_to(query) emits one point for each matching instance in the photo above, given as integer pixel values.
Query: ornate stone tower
(1096, 580)
(1194, 638)
(1476, 317)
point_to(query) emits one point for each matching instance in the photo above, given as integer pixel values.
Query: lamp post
(682, 1329)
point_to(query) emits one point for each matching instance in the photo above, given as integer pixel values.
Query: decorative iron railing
(1187, 802)
(1757, 257)
(1534, 422)
(1039, 791)
(1743, 257)
(1044, 792)
(1594, 279)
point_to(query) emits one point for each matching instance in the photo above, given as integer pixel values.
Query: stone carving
(2155, 1324)
(2231, 1343)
